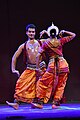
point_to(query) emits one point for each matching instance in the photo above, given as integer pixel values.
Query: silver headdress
(52, 27)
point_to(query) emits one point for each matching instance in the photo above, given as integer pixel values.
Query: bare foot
(14, 105)
(36, 105)
(55, 106)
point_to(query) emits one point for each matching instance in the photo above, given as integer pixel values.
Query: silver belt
(31, 66)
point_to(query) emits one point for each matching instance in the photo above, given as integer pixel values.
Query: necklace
(31, 46)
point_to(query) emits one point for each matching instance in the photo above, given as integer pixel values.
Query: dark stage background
(15, 15)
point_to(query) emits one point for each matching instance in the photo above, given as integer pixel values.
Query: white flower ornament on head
(52, 27)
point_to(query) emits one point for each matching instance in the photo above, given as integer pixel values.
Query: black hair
(30, 26)
(51, 33)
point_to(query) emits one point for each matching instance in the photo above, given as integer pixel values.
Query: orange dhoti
(25, 89)
(26, 86)
(46, 84)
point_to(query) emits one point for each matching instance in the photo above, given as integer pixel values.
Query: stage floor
(25, 112)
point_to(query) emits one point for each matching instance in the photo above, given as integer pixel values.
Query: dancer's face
(31, 33)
